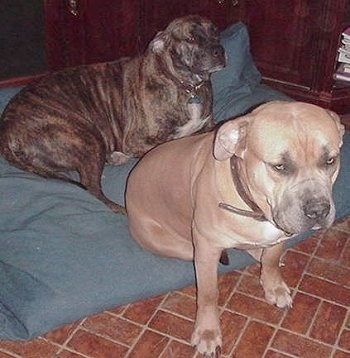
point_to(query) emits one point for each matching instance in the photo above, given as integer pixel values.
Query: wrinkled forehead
(196, 28)
(300, 134)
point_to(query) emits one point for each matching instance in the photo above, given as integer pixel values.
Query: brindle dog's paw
(278, 295)
(117, 158)
(208, 342)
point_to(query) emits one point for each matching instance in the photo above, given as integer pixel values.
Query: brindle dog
(79, 118)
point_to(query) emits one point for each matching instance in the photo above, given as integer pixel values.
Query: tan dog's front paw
(278, 295)
(207, 341)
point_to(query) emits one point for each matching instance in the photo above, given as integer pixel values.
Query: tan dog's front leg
(276, 290)
(207, 334)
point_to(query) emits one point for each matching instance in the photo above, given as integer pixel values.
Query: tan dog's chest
(244, 233)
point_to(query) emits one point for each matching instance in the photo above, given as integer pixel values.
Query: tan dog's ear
(337, 121)
(230, 139)
(158, 43)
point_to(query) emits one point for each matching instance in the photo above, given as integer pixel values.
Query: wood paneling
(293, 42)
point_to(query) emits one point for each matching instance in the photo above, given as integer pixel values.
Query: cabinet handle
(233, 2)
(73, 7)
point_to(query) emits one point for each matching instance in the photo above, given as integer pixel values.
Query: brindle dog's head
(190, 47)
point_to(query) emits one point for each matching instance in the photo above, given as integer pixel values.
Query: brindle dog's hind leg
(90, 171)
(88, 157)
(90, 175)
(90, 178)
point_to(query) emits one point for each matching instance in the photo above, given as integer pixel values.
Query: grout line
(11, 354)
(176, 314)
(295, 290)
(64, 346)
(166, 346)
(145, 326)
(243, 274)
(342, 329)
(338, 225)
(281, 352)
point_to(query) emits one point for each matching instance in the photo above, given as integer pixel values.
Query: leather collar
(189, 88)
(255, 213)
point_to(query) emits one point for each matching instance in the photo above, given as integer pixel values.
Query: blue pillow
(240, 71)
(237, 88)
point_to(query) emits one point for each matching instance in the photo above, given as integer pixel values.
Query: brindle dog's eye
(191, 39)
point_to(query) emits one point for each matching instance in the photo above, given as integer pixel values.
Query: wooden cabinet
(284, 37)
(294, 42)
(157, 14)
(88, 31)
(22, 41)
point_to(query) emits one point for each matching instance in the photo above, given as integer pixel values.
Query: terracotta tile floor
(317, 326)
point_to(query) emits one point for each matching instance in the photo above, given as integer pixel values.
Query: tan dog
(79, 118)
(250, 185)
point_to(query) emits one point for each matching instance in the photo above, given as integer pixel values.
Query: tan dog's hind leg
(276, 290)
(207, 334)
(154, 237)
(256, 254)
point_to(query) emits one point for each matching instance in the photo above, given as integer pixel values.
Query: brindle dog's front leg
(207, 334)
(276, 290)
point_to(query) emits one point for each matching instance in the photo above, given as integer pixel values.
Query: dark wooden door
(293, 42)
(88, 31)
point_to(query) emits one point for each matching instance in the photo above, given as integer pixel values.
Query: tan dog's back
(148, 196)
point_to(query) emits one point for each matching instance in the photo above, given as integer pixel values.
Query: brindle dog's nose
(316, 209)
(218, 51)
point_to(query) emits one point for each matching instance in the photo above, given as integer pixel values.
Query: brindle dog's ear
(157, 45)
(230, 139)
(337, 121)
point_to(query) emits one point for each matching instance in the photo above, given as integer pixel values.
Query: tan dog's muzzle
(307, 205)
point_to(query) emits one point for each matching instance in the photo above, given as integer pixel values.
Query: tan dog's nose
(316, 209)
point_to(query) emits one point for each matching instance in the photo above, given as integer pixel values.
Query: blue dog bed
(64, 255)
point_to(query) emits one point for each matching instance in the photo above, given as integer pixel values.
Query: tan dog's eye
(279, 167)
(282, 169)
(285, 166)
(330, 161)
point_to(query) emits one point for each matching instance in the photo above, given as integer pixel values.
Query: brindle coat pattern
(79, 118)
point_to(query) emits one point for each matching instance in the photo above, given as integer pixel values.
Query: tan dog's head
(288, 158)
(190, 47)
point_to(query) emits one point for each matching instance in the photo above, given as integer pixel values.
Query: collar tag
(194, 99)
